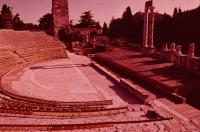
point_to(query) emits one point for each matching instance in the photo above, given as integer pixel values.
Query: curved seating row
(67, 112)
(14, 104)
(38, 54)
(56, 127)
(25, 49)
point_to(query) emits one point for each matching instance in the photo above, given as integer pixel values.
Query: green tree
(5, 9)
(116, 28)
(86, 20)
(105, 30)
(6, 17)
(175, 12)
(127, 15)
(1, 21)
(179, 10)
(46, 23)
(127, 22)
(97, 25)
(18, 23)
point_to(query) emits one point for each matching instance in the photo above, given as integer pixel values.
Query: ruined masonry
(60, 13)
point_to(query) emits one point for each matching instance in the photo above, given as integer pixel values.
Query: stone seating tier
(43, 108)
(70, 109)
(21, 39)
(27, 101)
(26, 48)
(40, 51)
(18, 105)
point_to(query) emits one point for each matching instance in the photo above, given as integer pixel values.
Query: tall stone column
(151, 28)
(178, 50)
(191, 50)
(173, 47)
(190, 55)
(60, 16)
(146, 26)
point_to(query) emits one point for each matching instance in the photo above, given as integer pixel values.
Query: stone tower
(60, 16)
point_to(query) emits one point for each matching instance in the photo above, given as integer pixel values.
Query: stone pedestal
(165, 47)
(148, 51)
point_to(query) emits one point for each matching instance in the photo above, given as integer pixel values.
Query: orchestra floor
(67, 80)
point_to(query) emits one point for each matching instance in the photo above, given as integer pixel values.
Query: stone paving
(56, 80)
(105, 85)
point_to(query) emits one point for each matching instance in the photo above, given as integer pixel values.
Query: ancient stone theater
(43, 87)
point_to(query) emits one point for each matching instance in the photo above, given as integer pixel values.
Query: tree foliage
(5, 10)
(87, 21)
(181, 28)
(46, 23)
(74, 36)
(121, 27)
(127, 15)
(6, 17)
(17, 23)
(1, 22)
(105, 30)
(175, 12)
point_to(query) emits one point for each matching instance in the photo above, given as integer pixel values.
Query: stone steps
(26, 38)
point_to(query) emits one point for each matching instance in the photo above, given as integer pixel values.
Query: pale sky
(103, 10)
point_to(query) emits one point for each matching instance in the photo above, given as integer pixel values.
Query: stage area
(56, 80)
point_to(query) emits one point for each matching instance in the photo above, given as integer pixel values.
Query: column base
(148, 51)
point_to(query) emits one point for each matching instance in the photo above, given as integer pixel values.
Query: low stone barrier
(187, 61)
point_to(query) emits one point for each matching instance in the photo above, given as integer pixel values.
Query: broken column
(190, 55)
(191, 50)
(165, 47)
(148, 33)
(146, 26)
(151, 28)
(178, 55)
(178, 50)
(173, 47)
(171, 53)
